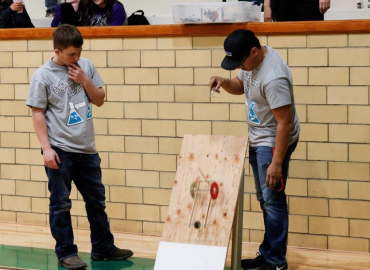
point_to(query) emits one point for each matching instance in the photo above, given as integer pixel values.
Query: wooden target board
(203, 200)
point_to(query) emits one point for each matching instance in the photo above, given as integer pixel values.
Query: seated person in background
(71, 12)
(295, 10)
(14, 15)
(105, 13)
(50, 7)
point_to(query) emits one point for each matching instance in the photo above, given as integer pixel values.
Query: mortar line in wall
(12, 53)
(175, 57)
(328, 58)
(327, 241)
(347, 108)
(349, 80)
(308, 76)
(31, 204)
(348, 192)
(159, 140)
(349, 227)
(307, 41)
(157, 110)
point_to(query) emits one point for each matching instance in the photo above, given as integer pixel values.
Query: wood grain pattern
(202, 30)
(219, 159)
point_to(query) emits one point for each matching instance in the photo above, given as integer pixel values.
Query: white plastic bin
(209, 12)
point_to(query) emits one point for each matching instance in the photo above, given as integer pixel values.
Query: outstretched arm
(232, 86)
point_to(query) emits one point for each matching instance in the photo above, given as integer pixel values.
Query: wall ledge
(201, 30)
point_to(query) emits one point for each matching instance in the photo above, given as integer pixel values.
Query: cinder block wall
(157, 92)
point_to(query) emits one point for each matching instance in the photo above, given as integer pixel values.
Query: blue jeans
(51, 4)
(84, 170)
(273, 203)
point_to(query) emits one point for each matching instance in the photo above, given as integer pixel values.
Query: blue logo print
(74, 117)
(89, 114)
(252, 115)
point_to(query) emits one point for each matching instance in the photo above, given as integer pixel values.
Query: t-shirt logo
(74, 117)
(252, 114)
(89, 114)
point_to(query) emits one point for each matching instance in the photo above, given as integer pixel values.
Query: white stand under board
(198, 257)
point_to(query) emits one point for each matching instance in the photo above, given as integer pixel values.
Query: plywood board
(204, 160)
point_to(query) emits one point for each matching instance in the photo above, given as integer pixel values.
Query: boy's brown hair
(65, 36)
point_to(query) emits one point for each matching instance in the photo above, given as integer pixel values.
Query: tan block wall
(157, 91)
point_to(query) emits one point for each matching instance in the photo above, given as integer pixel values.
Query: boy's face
(69, 56)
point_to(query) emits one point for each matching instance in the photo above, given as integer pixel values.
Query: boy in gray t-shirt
(60, 95)
(267, 84)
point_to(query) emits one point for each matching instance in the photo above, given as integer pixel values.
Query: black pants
(296, 10)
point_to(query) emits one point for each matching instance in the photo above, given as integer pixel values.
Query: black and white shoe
(50, 13)
(254, 264)
(270, 266)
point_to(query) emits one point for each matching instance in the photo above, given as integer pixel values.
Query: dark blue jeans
(84, 170)
(273, 203)
(51, 4)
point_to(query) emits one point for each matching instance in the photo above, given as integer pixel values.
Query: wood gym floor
(32, 247)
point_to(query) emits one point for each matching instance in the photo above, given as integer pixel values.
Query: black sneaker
(50, 13)
(254, 264)
(118, 254)
(73, 263)
(270, 266)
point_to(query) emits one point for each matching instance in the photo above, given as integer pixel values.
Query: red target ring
(214, 190)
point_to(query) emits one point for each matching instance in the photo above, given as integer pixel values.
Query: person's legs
(308, 10)
(283, 10)
(88, 182)
(60, 218)
(256, 173)
(51, 4)
(50, 8)
(260, 260)
(274, 207)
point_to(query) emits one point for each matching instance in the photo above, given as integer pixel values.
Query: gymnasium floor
(31, 247)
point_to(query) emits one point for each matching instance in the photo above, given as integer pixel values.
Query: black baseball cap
(238, 46)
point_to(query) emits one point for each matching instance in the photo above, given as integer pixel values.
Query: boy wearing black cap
(267, 83)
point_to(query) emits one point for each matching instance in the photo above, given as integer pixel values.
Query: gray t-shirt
(268, 87)
(68, 110)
